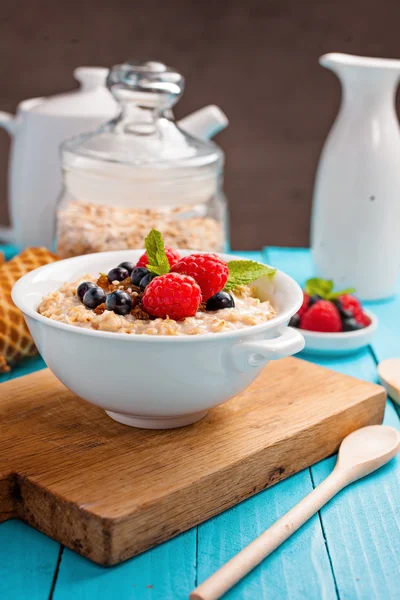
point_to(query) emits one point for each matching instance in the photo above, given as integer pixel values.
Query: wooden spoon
(389, 373)
(360, 454)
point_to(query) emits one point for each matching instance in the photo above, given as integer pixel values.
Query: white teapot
(38, 129)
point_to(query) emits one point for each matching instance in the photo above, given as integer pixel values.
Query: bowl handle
(254, 354)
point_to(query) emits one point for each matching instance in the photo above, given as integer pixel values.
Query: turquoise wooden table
(350, 550)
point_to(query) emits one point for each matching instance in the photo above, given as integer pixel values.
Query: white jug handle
(7, 121)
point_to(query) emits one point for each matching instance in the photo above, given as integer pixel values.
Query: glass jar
(141, 171)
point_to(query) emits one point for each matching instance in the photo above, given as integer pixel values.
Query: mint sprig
(324, 288)
(158, 261)
(243, 272)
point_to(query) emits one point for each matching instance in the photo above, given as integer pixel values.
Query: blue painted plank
(298, 569)
(361, 525)
(27, 366)
(168, 572)
(8, 251)
(386, 341)
(28, 561)
(296, 262)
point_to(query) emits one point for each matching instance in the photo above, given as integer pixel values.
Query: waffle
(15, 340)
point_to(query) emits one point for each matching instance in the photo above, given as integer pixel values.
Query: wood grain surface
(109, 491)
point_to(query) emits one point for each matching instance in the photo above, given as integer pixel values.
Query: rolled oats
(83, 228)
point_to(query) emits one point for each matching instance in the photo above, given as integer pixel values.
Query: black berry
(120, 302)
(93, 297)
(313, 299)
(294, 321)
(117, 274)
(144, 282)
(128, 266)
(220, 300)
(84, 287)
(137, 275)
(351, 324)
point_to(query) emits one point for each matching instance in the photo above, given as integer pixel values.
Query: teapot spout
(8, 122)
(205, 123)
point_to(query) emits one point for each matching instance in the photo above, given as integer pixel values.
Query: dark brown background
(257, 60)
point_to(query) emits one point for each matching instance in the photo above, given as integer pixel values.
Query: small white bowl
(154, 382)
(338, 344)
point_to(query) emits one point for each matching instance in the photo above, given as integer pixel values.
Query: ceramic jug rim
(353, 60)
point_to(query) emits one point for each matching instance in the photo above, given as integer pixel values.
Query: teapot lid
(145, 133)
(92, 99)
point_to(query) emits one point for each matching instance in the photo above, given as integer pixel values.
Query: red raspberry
(322, 316)
(172, 295)
(172, 255)
(351, 304)
(209, 270)
(303, 308)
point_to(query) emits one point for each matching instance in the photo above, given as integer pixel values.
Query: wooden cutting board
(109, 491)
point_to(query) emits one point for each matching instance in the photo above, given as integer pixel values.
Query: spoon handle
(248, 558)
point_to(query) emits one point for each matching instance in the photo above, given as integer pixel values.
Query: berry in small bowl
(332, 322)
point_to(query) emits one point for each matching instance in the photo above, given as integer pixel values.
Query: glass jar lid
(144, 135)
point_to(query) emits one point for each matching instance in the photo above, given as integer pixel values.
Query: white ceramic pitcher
(38, 129)
(356, 208)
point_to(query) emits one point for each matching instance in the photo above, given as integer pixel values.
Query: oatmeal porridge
(64, 305)
(165, 293)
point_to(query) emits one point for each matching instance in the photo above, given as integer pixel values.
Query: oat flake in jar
(141, 171)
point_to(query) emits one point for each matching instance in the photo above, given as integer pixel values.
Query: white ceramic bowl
(148, 381)
(337, 344)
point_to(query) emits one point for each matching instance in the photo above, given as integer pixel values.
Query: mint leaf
(243, 272)
(334, 295)
(158, 261)
(158, 269)
(323, 288)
